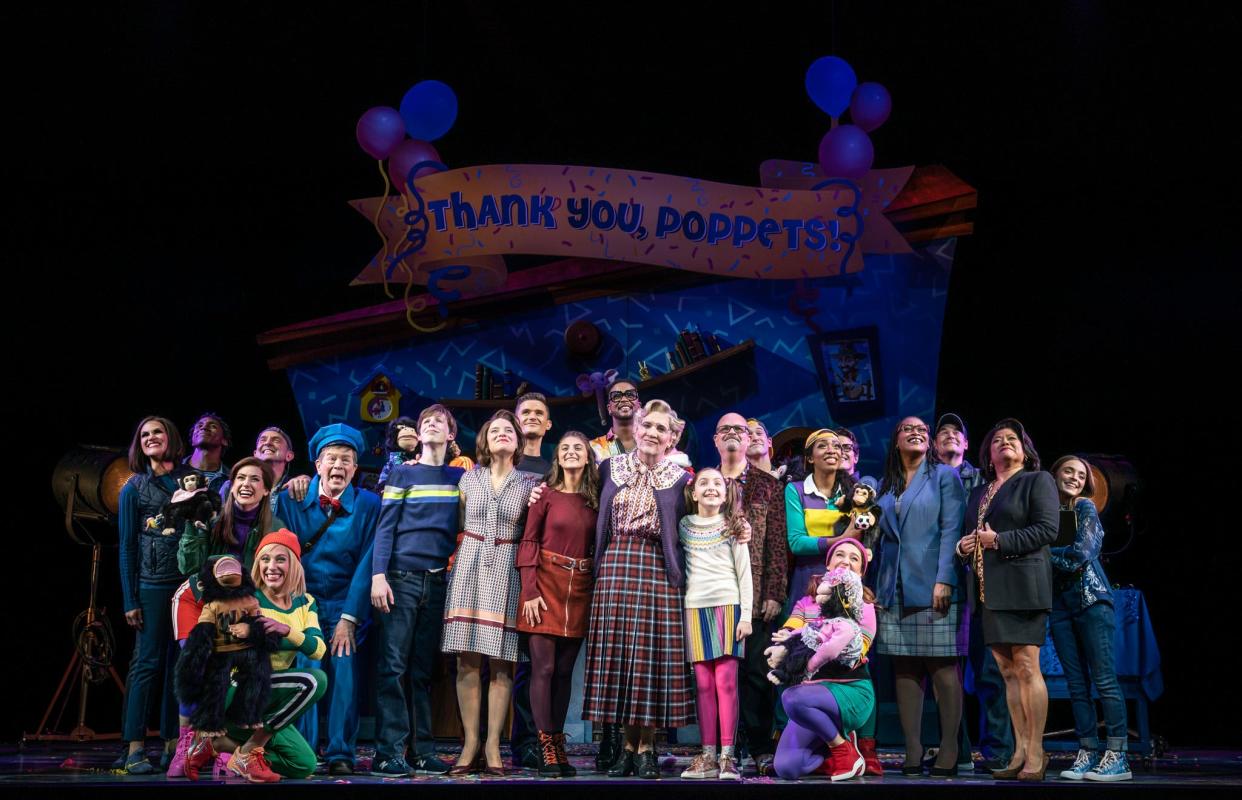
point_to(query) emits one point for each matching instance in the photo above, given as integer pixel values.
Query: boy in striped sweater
(416, 533)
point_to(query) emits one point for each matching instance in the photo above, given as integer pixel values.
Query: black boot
(562, 758)
(647, 765)
(549, 766)
(624, 766)
(609, 747)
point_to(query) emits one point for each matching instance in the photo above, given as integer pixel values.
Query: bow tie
(329, 504)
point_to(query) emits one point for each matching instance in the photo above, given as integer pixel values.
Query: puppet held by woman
(835, 636)
(230, 643)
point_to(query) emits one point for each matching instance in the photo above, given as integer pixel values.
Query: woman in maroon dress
(554, 560)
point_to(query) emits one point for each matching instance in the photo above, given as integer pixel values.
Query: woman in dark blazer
(1012, 520)
(917, 600)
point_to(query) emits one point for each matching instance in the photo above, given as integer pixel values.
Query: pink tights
(716, 683)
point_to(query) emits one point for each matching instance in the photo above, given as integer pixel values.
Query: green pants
(293, 691)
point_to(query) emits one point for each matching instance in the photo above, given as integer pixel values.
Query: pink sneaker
(252, 766)
(176, 767)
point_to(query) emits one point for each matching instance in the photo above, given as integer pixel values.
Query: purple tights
(551, 678)
(814, 720)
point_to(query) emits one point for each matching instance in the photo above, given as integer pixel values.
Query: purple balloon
(379, 130)
(846, 152)
(406, 156)
(870, 106)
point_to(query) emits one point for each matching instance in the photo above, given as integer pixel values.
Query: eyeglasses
(845, 447)
(913, 429)
(625, 394)
(733, 429)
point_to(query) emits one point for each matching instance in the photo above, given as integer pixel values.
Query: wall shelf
(643, 386)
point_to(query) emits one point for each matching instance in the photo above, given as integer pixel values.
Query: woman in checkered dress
(480, 610)
(922, 504)
(636, 667)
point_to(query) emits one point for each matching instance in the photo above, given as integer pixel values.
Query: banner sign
(446, 227)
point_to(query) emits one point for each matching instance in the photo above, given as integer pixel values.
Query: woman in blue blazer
(917, 598)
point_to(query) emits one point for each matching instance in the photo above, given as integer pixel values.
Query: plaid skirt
(636, 670)
(921, 632)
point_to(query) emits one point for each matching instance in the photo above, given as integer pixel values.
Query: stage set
(815, 297)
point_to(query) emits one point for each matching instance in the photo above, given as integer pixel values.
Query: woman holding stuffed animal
(719, 600)
(245, 519)
(921, 508)
(1012, 521)
(290, 619)
(1083, 628)
(149, 577)
(481, 606)
(837, 698)
(813, 508)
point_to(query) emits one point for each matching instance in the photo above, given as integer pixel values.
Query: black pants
(757, 695)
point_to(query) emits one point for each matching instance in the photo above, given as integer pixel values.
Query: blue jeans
(343, 700)
(1084, 642)
(995, 726)
(409, 644)
(155, 658)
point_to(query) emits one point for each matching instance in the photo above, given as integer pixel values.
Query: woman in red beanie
(277, 749)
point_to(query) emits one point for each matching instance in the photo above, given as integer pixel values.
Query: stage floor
(65, 769)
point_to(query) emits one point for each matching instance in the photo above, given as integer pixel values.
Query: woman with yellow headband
(811, 509)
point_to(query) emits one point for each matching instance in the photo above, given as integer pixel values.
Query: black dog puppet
(191, 502)
(228, 641)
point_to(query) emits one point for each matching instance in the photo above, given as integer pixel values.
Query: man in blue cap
(335, 524)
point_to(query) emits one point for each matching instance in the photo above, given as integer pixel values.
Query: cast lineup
(746, 597)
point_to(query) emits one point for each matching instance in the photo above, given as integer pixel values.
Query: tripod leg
(64, 679)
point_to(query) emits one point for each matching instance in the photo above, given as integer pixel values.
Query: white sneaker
(703, 766)
(728, 769)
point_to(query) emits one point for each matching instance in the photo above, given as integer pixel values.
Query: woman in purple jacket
(636, 668)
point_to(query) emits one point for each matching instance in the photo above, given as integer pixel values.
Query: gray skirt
(921, 632)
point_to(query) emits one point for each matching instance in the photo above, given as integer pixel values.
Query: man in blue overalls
(335, 524)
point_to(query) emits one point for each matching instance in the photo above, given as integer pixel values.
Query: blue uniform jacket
(918, 543)
(338, 568)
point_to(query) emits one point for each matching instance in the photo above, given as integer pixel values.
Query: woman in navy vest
(149, 577)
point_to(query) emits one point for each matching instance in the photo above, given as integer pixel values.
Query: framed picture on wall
(848, 363)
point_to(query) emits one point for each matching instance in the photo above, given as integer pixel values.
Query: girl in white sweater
(719, 597)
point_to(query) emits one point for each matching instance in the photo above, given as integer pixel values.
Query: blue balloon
(846, 152)
(830, 82)
(429, 110)
(870, 106)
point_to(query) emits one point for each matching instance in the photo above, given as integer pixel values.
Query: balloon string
(416, 305)
(383, 239)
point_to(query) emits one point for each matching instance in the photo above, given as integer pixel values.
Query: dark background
(179, 175)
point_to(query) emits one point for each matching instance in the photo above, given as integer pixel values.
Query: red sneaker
(252, 766)
(866, 746)
(199, 755)
(845, 761)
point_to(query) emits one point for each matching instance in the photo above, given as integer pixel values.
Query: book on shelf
(683, 352)
(711, 344)
(507, 383)
(478, 381)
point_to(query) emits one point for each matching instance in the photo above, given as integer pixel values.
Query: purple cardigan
(671, 505)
